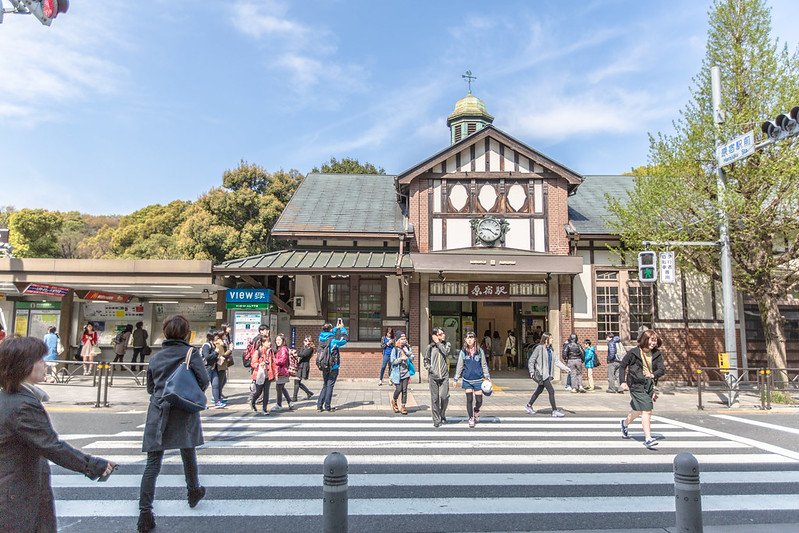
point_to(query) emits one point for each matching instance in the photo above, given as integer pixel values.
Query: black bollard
(334, 490)
(687, 494)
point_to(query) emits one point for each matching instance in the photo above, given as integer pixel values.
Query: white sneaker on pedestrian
(624, 431)
(529, 409)
(277, 408)
(471, 422)
(557, 413)
(650, 443)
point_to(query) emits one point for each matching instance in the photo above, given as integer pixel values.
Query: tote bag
(182, 390)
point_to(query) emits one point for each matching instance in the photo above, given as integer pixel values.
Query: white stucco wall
(583, 290)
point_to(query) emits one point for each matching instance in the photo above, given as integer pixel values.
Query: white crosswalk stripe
(256, 466)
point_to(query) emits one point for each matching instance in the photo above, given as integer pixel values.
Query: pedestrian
(227, 343)
(224, 361)
(641, 367)
(225, 328)
(121, 343)
(168, 428)
(615, 355)
(401, 371)
(263, 373)
(140, 347)
(52, 342)
(487, 343)
(30, 443)
(88, 349)
(303, 368)
(211, 357)
(330, 342)
(436, 361)
(255, 343)
(574, 355)
(540, 365)
(282, 372)
(473, 368)
(591, 361)
(510, 350)
(537, 335)
(496, 352)
(386, 344)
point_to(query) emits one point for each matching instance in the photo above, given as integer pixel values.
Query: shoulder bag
(182, 390)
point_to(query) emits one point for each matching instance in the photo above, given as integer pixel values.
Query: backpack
(119, 337)
(246, 357)
(326, 357)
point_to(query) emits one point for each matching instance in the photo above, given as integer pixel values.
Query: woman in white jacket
(541, 364)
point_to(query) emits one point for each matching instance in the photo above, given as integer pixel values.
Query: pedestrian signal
(647, 266)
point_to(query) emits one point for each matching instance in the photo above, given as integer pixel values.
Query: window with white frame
(607, 303)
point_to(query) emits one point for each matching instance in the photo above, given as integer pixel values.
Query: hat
(263, 327)
(399, 335)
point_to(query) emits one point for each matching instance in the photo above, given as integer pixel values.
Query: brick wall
(557, 217)
(419, 215)
(566, 311)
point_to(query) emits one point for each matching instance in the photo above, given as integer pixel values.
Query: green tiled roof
(319, 261)
(342, 203)
(588, 208)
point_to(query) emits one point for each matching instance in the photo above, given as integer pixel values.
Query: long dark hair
(18, 355)
(390, 333)
(545, 337)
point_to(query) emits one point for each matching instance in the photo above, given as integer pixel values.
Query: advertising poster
(245, 328)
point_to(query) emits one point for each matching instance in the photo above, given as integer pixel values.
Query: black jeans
(545, 384)
(298, 384)
(282, 393)
(137, 353)
(402, 387)
(326, 394)
(222, 381)
(256, 393)
(153, 468)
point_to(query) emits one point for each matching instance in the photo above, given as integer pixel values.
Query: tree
(5, 214)
(348, 166)
(150, 232)
(675, 195)
(34, 232)
(235, 221)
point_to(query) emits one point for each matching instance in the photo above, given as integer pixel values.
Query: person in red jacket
(263, 371)
(282, 366)
(88, 349)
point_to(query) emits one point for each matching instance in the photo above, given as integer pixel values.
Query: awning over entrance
(494, 262)
(317, 261)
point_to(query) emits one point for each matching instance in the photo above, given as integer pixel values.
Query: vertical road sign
(667, 271)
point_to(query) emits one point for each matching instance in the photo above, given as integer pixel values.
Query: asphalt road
(510, 473)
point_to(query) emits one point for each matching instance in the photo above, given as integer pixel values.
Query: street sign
(724, 362)
(667, 271)
(738, 148)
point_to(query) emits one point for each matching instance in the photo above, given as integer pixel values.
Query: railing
(719, 379)
(71, 372)
(783, 383)
(101, 376)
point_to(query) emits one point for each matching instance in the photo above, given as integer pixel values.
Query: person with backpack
(303, 368)
(254, 344)
(386, 344)
(616, 352)
(264, 371)
(223, 362)
(473, 368)
(121, 343)
(328, 360)
(401, 371)
(574, 355)
(436, 361)
(282, 372)
(540, 365)
(640, 369)
(591, 361)
(211, 358)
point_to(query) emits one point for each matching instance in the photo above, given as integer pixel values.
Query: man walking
(436, 361)
(615, 355)
(574, 355)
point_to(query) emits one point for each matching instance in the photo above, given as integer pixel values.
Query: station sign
(248, 296)
(46, 290)
(107, 297)
(489, 290)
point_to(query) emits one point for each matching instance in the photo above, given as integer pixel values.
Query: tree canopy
(348, 166)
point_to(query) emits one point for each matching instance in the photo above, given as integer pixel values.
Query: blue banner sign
(248, 296)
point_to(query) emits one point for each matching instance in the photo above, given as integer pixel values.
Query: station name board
(479, 291)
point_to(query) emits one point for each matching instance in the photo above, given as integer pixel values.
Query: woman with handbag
(472, 368)
(168, 427)
(89, 348)
(263, 368)
(640, 369)
(281, 372)
(540, 365)
(304, 368)
(211, 358)
(223, 362)
(401, 371)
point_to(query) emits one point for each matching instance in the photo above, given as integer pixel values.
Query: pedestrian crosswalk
(506, 474)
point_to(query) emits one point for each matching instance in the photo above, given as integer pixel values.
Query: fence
(718, 380)
(101, 375)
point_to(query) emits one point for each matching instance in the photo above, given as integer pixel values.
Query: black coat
(631, 370)
(304, 362)
(27, 442)
(166, 428)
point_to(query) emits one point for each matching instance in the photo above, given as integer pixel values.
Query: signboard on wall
(107, 297)
(248, 296)
(98, 311)
(489, 290)
(245, 327)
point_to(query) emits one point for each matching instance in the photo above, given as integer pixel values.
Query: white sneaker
(557, 413)
(471, 422)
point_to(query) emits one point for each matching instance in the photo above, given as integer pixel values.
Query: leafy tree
(5, 214)
(235, 221)
(73, 231)
(675, 196)
(34, 232)
(150, 232)
(348, 166)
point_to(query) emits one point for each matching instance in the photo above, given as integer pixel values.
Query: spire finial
(469, 78)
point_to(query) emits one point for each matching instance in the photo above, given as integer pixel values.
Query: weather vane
(469, 78)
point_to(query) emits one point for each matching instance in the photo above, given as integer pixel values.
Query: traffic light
(44, 10)
(783, 126)
(647, 267)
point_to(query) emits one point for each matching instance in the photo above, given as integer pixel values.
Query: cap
(399, 335)
(263, 327)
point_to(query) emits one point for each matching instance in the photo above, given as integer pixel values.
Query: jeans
(153, 468)
(576, 367)
(402, 388)
(613, 376)
(280, 389)
(326, 394)
(298, 384)
(545, 384)
(213, 374)
(256, 393)
(386, 364)
(222, 381)
(137, 353)
(439, 399)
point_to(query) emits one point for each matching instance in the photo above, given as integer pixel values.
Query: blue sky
(119, 105)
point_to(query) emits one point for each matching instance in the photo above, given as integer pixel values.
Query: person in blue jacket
(387, 343)
(473, 368)
(334, 339)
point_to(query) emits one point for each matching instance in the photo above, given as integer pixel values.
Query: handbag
(182, 391)
(96, 350)
(260, 378)
(411, 368)
(59, 348)
(146, 350)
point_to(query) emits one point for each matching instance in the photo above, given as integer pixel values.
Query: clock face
(489, 230)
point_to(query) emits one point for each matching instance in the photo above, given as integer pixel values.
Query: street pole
(727, 295)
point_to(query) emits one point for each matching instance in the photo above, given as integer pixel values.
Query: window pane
(338, 300)
(640, 308)
(607, 311)
(604, 275)
(370, 304)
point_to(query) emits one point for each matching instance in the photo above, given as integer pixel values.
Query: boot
(146, 522)
(195, 495)
(394, 405)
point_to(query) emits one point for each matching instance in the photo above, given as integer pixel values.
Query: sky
(118, 105)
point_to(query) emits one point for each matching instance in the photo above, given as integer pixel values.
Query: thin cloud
(259, 19)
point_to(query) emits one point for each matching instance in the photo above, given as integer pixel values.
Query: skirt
(642, 400)
(282, 380)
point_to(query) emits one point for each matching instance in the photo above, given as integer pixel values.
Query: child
(591, 361)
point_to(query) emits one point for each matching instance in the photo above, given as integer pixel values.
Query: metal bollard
(334, 507)
(108, 370)
(699, 388)
(687, 494)
(99, 384)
